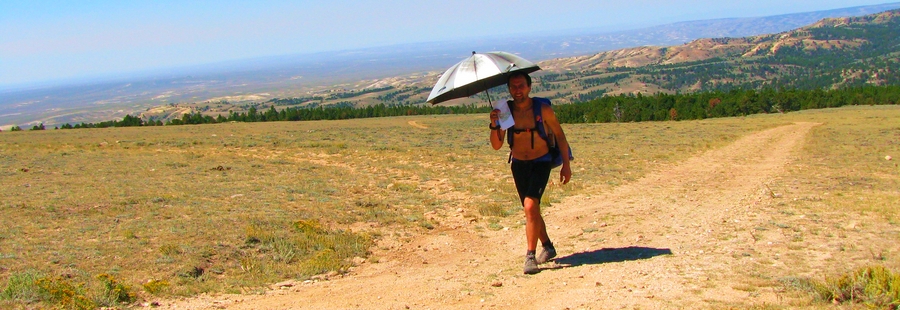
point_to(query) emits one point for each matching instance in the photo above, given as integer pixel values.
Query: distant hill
(832, 53)
(403, 70)
(589, 42)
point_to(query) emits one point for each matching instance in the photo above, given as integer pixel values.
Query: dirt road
(681, 237)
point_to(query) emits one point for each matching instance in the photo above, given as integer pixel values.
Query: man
(531, 162)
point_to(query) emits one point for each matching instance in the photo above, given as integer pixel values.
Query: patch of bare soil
(681, 237)
(417, 125)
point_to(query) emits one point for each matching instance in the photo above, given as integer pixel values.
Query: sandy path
(668, 240)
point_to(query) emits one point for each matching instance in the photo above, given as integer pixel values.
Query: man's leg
(530, 179)
(535, 229)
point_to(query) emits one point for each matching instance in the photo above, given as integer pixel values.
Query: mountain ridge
(713, 47)
(88, 102)
(828, 54)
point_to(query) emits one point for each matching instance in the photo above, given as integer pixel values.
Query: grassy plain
(182, 210)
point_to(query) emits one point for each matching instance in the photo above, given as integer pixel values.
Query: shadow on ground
(613, 255)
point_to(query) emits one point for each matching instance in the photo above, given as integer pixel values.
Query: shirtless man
(531, 163)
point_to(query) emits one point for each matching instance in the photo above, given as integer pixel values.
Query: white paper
(506, 118)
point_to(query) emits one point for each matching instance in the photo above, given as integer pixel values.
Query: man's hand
(495, 117)
(565, 174)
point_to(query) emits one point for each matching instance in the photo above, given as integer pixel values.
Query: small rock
(497, 284)
(888, 157)
(289, 283)
(358, 260)
(150, 304)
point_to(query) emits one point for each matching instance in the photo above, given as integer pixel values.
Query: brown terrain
(732, 51)
(704, 49)
(166, 103)
(685, 236)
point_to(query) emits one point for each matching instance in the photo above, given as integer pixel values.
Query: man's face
(518, 88)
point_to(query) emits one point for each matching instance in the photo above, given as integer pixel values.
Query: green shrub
(155, 286)
(874, 286)
(64, 293)
(308, 226)
(113, 292)
(23, 287)
(33, 287)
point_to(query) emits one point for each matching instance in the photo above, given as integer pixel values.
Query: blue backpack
(538, 103)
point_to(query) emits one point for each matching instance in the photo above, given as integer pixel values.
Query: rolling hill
(401, 73)
(829, 54)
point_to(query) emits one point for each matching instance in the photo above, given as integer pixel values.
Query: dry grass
(183, 210)
(874, 287)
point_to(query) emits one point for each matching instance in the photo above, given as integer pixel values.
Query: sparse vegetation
(875, 287)
(219, 207)
(234, 207)
(90, 215)
(67, 292)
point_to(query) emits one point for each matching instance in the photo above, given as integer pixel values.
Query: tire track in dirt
(672, 239)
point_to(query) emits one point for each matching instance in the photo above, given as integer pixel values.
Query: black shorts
(531, 177)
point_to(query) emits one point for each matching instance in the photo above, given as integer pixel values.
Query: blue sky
(55, 40)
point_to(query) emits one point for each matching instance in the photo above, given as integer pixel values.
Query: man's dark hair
(515, 74)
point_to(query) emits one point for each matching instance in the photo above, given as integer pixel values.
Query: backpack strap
(537, 104)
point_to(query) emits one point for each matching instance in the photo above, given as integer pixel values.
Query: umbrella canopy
(479, 72)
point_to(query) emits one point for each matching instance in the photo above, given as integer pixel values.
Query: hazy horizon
(45, 42)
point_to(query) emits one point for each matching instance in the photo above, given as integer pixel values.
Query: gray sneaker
(547, 253)
(530, 264)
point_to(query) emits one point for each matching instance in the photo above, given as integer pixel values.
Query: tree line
(711, 104)
(620, 108)
(343, 110)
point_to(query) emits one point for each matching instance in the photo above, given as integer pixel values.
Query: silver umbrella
(478, 73)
